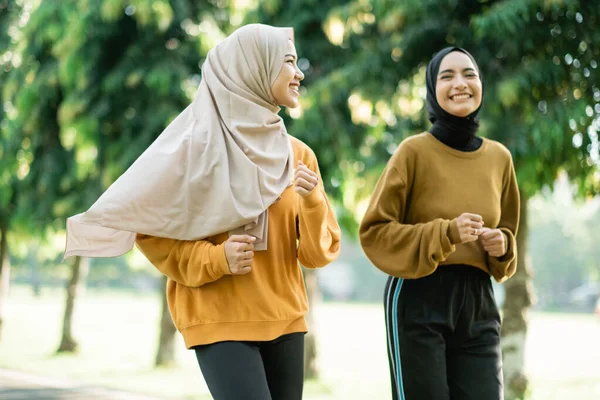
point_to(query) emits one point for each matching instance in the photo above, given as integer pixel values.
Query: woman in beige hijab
(226, 204)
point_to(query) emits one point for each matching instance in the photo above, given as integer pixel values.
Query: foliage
(365, 78)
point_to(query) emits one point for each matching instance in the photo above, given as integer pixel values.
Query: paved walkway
(21, 386)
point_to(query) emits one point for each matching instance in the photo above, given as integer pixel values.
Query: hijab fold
(457, 132)
(216, 168)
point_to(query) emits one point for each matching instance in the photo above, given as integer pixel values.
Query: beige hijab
(216, 168)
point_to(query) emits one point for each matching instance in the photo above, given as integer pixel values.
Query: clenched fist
(469, 227)
(493, 242)
(239, 250)
(305, 180)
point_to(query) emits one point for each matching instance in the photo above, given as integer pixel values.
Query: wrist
(313, 199)
(221, 256)
(453, 232)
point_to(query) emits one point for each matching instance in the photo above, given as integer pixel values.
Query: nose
(460, 82)
(299, 74)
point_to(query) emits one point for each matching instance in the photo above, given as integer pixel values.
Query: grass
(118, 333)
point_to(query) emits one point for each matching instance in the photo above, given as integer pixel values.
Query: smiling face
(458, 87)
(285, 88)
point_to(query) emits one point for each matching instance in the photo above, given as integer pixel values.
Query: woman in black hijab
(458, 132)
(443, 218)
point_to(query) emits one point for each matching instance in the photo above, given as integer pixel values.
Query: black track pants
(443, 335)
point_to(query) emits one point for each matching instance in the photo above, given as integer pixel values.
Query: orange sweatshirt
(409, 228)
(208, 304)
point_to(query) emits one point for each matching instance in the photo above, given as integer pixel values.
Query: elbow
(321, 259)
(316, 262)
(312, 265)
(319, 255)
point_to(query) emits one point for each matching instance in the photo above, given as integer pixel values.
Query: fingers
(241, 238)
(493, 242)
(301, 191)
(470, 228)
(473, 217)
(239, 250)
(246, 255)
(305, 184)
(243, 261)
(492, 235)
(496, 251)
(243, 271)
(302, 168)
(306, 178)
(474, 229)
(474, 224)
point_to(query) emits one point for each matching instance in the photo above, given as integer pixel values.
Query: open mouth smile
(462, 96)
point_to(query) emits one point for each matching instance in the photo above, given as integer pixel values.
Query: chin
(462, 112)
(291, 104)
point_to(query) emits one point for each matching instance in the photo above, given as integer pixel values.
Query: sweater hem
(482, 267)
(254, 331)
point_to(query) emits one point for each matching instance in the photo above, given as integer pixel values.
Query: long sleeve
(504, 267)
(319, 232)
(399, 249)
(190, 263)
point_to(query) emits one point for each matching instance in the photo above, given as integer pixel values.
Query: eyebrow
(291, 55)
(451, 70)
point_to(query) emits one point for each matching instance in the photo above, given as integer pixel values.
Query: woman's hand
(493, 241)
(305, 180)
(469, 227)
(239, 250)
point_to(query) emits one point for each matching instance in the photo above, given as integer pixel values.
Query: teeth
(461, 96)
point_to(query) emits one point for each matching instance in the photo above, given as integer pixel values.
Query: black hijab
(456, 132)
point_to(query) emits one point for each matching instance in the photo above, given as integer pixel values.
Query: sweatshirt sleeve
(318, 231)
(400, 249)
(504, 267)
(190, 263)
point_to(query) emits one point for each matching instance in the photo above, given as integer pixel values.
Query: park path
(16, 385)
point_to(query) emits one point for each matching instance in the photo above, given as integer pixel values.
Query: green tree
(9, 31)
(99, 82)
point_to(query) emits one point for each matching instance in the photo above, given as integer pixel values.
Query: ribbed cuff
(219, 260)
(510, 253)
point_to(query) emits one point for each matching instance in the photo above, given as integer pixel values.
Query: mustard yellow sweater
(210, 305)
(409, 228)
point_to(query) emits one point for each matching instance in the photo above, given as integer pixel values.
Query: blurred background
(87, 85)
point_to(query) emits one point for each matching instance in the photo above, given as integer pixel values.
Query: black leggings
(444, 336)
(272, 370)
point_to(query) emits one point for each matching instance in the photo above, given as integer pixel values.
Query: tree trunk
(4, 273)
(36, 276)
(311, 370)
(519, 298)
(36, 279)
(79, 273)
(165, 356)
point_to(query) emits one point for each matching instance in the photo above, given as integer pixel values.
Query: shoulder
(498, 150)
(410, 147)
(302, 151)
